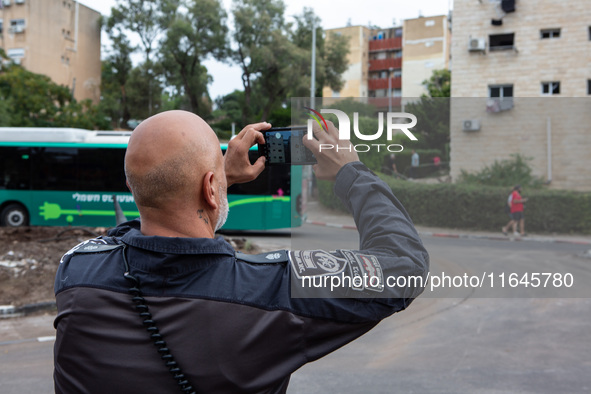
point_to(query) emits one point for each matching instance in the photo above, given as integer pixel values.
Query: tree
(144, 99)
(331, 53)
(282, 70)
(433, 113)
(439, 85)
(255, 24)
(190, 38)
(115, 73)
(30, 99)
(143, 18)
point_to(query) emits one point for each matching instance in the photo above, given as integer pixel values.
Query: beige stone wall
(564, 156)
(55, 45)
(355, 76)
(425, 49)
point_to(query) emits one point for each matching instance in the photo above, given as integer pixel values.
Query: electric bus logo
(393, 122)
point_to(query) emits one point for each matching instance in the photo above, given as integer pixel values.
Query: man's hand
(237, 164)
(330, 160)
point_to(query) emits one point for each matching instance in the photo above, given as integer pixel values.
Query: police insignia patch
(316, 263)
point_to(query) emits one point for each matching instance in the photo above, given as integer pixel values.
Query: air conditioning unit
(17, 29)
(477, 44)
(498, 104)
(471, 125)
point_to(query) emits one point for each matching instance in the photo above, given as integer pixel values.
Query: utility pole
(313, 81)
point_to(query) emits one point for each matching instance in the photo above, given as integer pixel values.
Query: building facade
(426, 44)
(388, 64)
(521, 84)
(57, 38)
(355, 76)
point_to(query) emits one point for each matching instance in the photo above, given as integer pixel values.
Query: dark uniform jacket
(233, 323)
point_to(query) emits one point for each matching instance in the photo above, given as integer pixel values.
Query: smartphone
(283, 145)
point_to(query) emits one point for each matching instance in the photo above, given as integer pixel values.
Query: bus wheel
(14, 215)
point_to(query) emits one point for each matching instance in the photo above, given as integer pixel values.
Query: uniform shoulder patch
(96, 248)
(278, 256)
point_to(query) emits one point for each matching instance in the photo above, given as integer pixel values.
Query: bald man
(161, 305)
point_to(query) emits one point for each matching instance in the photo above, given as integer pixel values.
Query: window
(500, 91)
(17, 25)
(15, 169)
(397, 73)
(549, 33)
(499, 42)
(501, 98)
(397, 54)
(16, 54)
(101, 169)
(589, 86)
(430, 23)
(589, 33)
(1, 25)
(398, 33)
(550, 88)
(55, 168)
(396, 93)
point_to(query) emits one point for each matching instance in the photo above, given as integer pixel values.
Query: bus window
(54, 168)
(15, 168)
(101, 169)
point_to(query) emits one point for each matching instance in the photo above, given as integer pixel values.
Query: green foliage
(190, 38)
(439, 84)
(508, 172)
(432, 129)
(144, 99)
(331, 54)
(275, 56)
(29, 99)
(327, 197)
(482, 207)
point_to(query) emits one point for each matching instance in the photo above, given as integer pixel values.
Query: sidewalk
(319, 215)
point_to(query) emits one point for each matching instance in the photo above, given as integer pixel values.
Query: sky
(383, 13)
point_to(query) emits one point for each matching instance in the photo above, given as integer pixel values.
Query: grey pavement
(320, 215)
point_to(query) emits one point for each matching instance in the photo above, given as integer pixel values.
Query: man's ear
(210, 191)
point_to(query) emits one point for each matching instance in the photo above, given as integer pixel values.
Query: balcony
(384, 102)
(386, 44)
(382, 83)
(385, 64)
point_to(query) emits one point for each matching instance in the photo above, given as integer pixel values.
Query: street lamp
(390, 89)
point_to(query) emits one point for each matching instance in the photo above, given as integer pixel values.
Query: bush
(508, 172)
(482, 207)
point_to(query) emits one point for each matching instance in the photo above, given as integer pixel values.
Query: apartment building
(427, 47)
(57, 38)
(355, 76)
(521, 84)
(388, 64)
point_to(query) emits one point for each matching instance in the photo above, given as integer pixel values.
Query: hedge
(482, 208)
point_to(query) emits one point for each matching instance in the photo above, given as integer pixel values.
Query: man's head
(175, 169)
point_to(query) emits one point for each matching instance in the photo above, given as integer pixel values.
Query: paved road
(453, 341)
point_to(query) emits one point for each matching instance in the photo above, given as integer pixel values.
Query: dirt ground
(29, 257)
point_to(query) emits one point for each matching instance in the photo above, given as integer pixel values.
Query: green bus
(69, 177)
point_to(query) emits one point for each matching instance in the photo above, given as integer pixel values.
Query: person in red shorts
(517, 211)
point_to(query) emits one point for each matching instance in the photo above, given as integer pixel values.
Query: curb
(9, 311)
(346, 226)
(466, 236)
